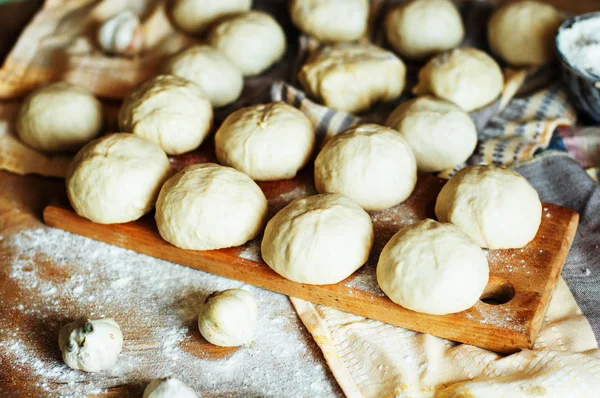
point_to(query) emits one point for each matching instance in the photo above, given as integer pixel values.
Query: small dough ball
(318, 240)
(331, 20)
(419, 29)
(220, 79)
(466, 76)
(169, 387)
(207, 206)
(497, 208)
(116, 178)
(91, 345)
(252, 41)
(195, 16)
(523, 32)
(169, 111)
(432, 268)
(352, 77)
(59, 117)
(371, 164)
(267, 142)
(228, 318)
(440, 134)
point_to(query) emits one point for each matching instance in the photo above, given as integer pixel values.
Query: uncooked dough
(440, 134)
(466, 76)
(207, 206)
(195, 16)
(352, 77)
(318, 240)
(168, 387)
(116, 178)
(371, 164)
(59, 117)
(268, 142)
(497, 208)
(421, 28)
(432, 268)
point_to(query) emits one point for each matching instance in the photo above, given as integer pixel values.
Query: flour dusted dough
(331, 20)
(497, 208)
(440, 134)
(318, 240)
(268, 141)
(466, 76)
(168, 387)
(432, 268)
(371, 164)
(116, 178)
(207, 206)
(59, 117)
(195, 16)
(420, 28)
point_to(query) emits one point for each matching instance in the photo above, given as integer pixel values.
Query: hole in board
(498, 291)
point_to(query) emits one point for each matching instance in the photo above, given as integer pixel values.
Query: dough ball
(169, 111)
(228, 318)
(91, 345)
(252, 41)
(440, 134)
(267, 142)
(497, 208)
(432, 268)
(331, 20)
(169, 387)
(59, 117)
(466, 76)
(212, 71)
(207, 206)
(195, 16)
(523, 32)
(121, 34)
(116, 178)
(318, 240)
(421, 28)
(352, 77)
(372, 165)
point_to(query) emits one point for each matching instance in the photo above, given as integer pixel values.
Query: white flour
(580, 44)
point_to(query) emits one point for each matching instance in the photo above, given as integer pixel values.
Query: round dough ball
(252, 41)
(228, 318)
(523, 32)
(421, 28)
(59, 117)
(116, 178)
(352, 77)
(169, 111)
(466, 76)
(91, 345)
(331, 20)
(497, 208)
(207, 206)
(371, 164)
(267, 142)
(169, 387)
(318, 240)
(432, 268)
(440, 134)
(195, 16)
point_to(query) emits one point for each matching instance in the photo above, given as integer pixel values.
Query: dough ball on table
(267, 142)
(497, 208)
(168, 387)
(91, 345)
(195, 16)
(207, 206)
(253, 41)
(59, 117)
(116, 178)
(353, 77)
(523, 32)
(318, 240)
(432, 268)
(371, 164)
(421, 28)
(331, 20)
(169, 111)
(466, 76)
(440, 134)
